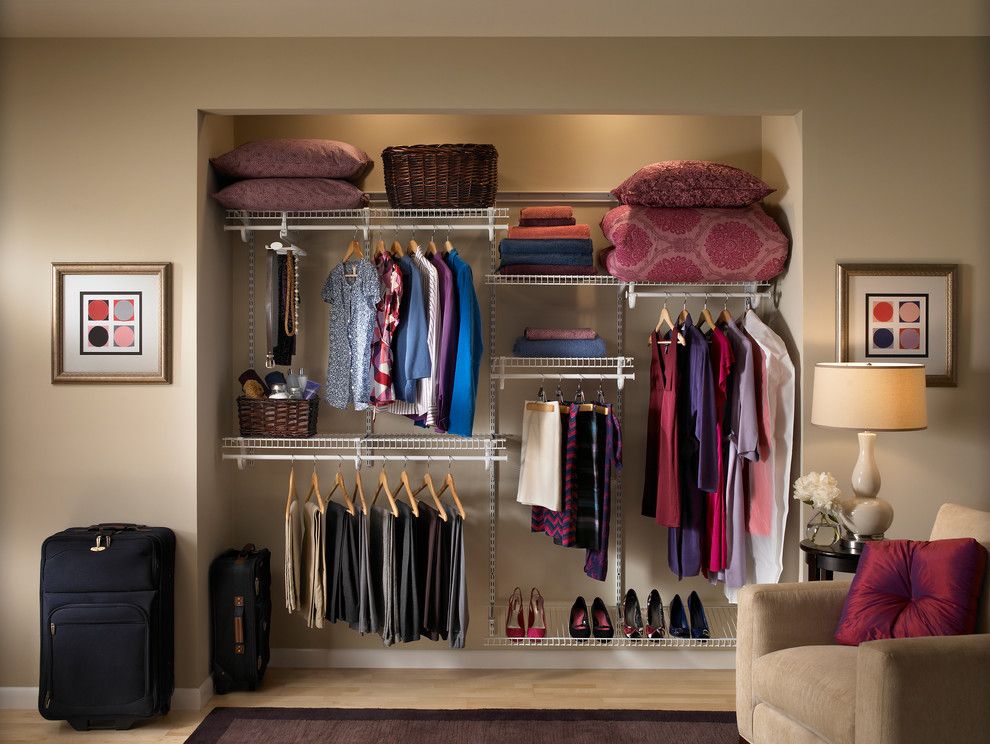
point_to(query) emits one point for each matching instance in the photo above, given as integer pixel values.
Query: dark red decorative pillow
(913, 588)
(293, 158)
(691, 183)
(291, 195)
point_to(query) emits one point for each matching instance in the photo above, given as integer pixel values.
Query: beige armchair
(795, 685)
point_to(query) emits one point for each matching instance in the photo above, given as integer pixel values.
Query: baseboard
(193, 698)
(184, 698)
(399, 658)
(18, 698)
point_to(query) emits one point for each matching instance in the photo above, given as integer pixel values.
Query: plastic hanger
(383, 486)
(292, 496)
(359, 488)
(339, 484)
(314, 489)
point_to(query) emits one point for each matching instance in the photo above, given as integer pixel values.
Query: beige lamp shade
(870, 397)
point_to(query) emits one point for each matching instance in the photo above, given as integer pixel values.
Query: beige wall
(98, 141)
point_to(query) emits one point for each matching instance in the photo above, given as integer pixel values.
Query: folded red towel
(567, 232)
(543, 213)
(561, 334)
(547, 270)
(545, 221)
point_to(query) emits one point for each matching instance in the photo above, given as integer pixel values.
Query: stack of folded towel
(559, 342)
(547, 241)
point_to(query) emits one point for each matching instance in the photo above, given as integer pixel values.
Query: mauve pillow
(655, 244)
(291, 195)
(691, 183)
(293, 158)
(913, 588)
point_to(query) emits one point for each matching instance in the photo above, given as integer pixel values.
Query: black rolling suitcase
(107, 625)
(240, 618)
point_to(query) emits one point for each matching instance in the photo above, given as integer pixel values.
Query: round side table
(823, 560)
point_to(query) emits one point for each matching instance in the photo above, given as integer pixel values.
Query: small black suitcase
(240, 618)
(107, 625)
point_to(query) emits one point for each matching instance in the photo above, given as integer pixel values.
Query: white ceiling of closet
(326, 18)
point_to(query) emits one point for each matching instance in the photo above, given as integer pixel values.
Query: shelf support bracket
(630, 290)
(491, 224)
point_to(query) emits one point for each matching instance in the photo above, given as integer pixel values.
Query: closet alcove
(558, 154)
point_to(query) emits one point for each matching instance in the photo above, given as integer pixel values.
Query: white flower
(820, 490)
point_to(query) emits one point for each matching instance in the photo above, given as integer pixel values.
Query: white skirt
(539, 468)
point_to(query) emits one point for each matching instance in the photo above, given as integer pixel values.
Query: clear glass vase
(822, 529)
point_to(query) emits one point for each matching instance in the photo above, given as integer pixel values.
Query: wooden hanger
(431, 248)
(293, 496)
(397, 250)
(339, 484)
(359, 487)
(379, 247)
(413, 245)
(665, 318)
(447, 246)
(354, 248)
(383, 486)
(706, 317)
(725, 316)
(428, 483)
(448, 485)
(404, 485)
(314, 489)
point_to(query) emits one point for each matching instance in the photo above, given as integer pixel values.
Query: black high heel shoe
(656, 626)
(601, 622)
(578, 624)
(632, 616)
(678, 627)
(699, 622)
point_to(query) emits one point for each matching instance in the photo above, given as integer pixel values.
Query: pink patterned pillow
(693, 245)
(293, 158)
(291, 195)
(691, 183)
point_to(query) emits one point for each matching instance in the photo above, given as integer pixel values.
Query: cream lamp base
(865, 515)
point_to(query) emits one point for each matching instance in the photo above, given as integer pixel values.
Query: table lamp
(871, 398)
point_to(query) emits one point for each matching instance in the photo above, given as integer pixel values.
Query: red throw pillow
(913, 588)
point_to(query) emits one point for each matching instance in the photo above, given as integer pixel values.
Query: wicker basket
(441, 176)
(260, 417)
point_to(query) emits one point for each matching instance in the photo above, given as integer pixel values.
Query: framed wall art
(112, 323)
(899, 313)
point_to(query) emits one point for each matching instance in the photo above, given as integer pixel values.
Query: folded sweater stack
(559, 342)
(547, 241)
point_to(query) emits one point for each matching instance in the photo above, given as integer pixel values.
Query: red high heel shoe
(514, 627)
(537, 616)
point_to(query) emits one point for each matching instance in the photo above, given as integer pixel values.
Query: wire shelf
(721, 623)
(515, 362)
(369, 218)
(374, 442)
(559, 280)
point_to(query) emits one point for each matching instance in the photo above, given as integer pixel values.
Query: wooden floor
(664, 689)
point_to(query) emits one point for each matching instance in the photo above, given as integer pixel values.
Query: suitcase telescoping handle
(239, 625)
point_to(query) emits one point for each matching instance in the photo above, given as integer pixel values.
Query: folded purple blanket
(561, 334)
(547, 270)
(546, 222)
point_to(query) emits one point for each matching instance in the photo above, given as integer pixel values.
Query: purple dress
(698, 452)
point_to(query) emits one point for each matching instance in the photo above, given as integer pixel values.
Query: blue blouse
(470, 347)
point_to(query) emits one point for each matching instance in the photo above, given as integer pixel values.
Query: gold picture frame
(112, 323)
(899, 313)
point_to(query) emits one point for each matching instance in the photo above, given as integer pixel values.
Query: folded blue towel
(559, 348)
(548, 259)
(515, 246)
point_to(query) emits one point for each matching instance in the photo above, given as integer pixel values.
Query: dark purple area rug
(356, 726)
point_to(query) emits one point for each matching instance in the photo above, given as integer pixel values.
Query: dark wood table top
(835, 550)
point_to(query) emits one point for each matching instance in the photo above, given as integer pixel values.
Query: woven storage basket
(260, 417)
(441, 176)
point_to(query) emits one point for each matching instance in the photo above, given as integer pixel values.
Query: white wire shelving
(366, 449)
(364, 220)
(558, 280)
(552, 368)
(721, 624)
